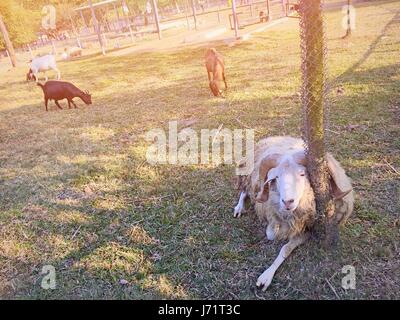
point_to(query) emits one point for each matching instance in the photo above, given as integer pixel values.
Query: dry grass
(77, 193)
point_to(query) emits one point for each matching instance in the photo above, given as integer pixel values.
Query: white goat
(42, 64)
(279, 188)
(71, 53)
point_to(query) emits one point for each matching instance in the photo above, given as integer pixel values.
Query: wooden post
(53, 46)
(156, 17)
(284, 7)
(235, 22)
(8, 43)
(186, 14)
(194, 14)
(97, 28)
(75, 31)
(83, 18)
(117, 14)
(125, 7)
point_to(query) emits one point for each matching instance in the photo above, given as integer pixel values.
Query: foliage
(19, 23)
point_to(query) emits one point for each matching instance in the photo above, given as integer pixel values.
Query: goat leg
(265, 279)
(209, 77)
(45, 103)
(72, 101)
(57, 104)
(223, 76)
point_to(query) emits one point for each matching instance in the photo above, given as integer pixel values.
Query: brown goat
(59, 90)
(215, 65)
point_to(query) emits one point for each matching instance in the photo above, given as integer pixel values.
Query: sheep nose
(287, 203)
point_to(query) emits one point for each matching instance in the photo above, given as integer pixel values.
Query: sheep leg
(264, 280)
(57, 104)
(36, 77)
(237, 212)
(45, 76)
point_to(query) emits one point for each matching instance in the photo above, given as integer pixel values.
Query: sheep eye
(302, 174)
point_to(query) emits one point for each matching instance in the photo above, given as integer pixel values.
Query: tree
(15, 17)
(313, 101)
(7, 42)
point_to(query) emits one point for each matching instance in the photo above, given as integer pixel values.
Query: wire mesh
(314, 92)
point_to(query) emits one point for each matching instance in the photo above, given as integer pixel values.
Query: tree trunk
(313, 101)
(8, 43)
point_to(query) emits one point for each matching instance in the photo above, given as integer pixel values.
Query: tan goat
(215, 66)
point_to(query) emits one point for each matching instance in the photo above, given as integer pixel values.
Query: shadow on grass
(168, 230)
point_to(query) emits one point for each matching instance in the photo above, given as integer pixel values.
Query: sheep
(280, 190)
(59, 90)
(42, 64)
(215, 65)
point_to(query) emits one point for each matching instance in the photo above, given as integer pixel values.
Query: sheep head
(288, 174)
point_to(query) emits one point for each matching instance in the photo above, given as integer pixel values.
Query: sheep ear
(300, 158)
(337, 193)
(263, 195)
(338, 179)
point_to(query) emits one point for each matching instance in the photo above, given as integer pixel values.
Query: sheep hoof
(265, 279)
(237, 212)
(270, 233)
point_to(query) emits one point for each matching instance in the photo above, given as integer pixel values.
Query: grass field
(77, 193)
